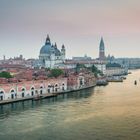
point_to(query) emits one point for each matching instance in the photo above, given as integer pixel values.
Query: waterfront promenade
(44, 96)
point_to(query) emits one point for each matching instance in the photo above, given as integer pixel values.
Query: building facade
(50, 55)
(32, 88)
(116, 71)
(80, 80)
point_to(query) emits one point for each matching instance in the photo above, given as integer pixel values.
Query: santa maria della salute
(50, 56)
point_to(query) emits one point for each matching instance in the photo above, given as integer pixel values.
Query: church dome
(46, 49)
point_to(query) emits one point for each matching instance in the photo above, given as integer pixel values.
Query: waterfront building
(130, 63)
(28, 89)
(80, 80)
(50, 55)
(115, 69)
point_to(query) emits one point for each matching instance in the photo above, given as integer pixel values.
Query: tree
(56, 72)
(5, 74)
(96, 71)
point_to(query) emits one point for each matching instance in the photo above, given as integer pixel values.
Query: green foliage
(5, 74)
(96, 71)
(56, 72)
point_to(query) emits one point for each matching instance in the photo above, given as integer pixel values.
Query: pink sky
(78, 24)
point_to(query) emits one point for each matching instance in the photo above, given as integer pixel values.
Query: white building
(116, 71)
(32, 88)
(101, 67)
(50, 55)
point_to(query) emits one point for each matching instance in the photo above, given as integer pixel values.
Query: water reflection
(30, 104)
(101, 113)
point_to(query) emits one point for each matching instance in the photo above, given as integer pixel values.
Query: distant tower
(4, 57)
(101, 50)
(63, 53)
(21, 57)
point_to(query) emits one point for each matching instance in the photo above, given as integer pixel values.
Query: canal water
(101, 113)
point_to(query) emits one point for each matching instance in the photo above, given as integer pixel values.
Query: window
(1, 92)
(32, 93)
(32, 88)
(23, 94)
(23, 89)
(1, 95)
(12, 91)
(41, 92)
(48, 90)
(1, 98)
(12, 96)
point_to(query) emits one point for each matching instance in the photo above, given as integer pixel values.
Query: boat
(135, 82)
(102, 82)
(115, 79)
(123, 77)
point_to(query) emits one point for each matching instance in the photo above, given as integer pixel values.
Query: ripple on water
(101, 113)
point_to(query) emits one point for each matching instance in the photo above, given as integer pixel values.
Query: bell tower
(102, 50)
(63, 53)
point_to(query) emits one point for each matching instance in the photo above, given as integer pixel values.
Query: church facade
(50, 56)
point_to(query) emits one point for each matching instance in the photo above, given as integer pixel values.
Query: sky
(78, 24)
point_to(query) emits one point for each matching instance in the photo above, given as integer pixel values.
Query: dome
(46, 49)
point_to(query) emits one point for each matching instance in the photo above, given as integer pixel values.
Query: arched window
(32, 88)
(1, 92)
(41, 90)
(32, 91)
(12, 91)
(23, 89)
(1, 95)
(49, 86)
(12, 94)
(23, 92)
(56, 88)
